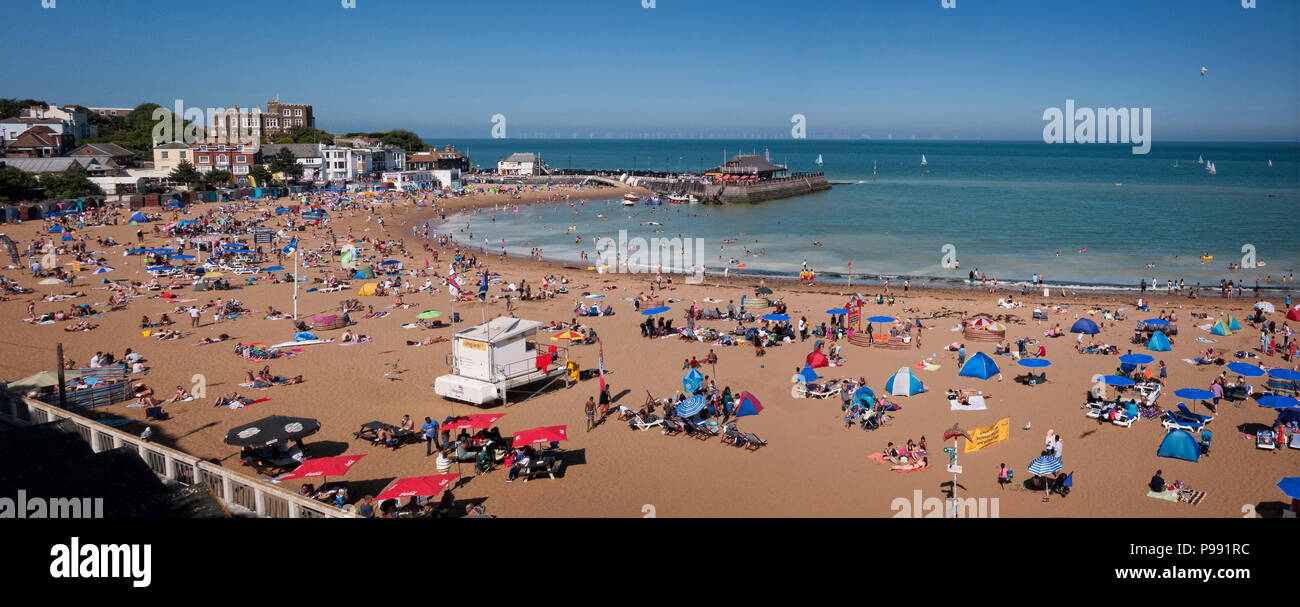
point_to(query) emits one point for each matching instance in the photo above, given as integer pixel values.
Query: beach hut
(1158, 342)
(1180, 444)
(980, 365)
(748, 405)
(903, 383)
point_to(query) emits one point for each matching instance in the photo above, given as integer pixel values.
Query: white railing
(237, 492)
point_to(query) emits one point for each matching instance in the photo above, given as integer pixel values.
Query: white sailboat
(819, 160)
(1270, 164)
(1200, 160)
(923, 162)
(1209, 167)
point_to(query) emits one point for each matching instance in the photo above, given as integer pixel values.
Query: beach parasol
(181, 256)
(1155, 322)
(1136, 359)
(1035, 363)
(544, 434)
(272, 430)
(1266, 307)
(275, 269)
(1194, 394)
(1245, 369)
(428, 314)
(1290, 486)
(1045, 465)
(473, 422)
(690, 406)
(1284, 374)
(103, 270)
(323, 467)
(776, 317)
(837, 311)
(213, 275)
(1116, 380)
(1278, 401)
(568, 335)
(655, 311)
(593, 296)
(881, 319)
(418, 486)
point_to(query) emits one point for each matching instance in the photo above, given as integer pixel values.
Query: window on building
(203, 160)
(223, 159)
(241, 159)
(286, 113)
(182, 155)
(297, 112)
(164, 155)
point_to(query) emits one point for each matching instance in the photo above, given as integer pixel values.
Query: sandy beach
(811, 465)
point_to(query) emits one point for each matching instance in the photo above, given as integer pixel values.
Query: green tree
(68, 184)
(213, 180)
(261, 175)
(18, 185)
(12, 108)
(286, 163)
(404, 139)
(304, 134)
(185, 174)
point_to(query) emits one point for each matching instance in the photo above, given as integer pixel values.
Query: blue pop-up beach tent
(980, 365)
(139, 217)
(1085, 326)
(692, 381)
(748, 405)
(1219, 329)
(1180, 444)
(1158, 342)
(864, 395)
(808, 374)
(903, 383)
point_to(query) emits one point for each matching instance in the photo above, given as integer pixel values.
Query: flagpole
(295, 284)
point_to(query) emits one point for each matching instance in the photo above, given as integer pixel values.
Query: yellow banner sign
(983, 437)
(473, 345)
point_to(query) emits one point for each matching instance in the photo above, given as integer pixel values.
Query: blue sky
(985, 69)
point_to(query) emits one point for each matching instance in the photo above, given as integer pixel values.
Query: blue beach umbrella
(980, 366)
(275, 269)
(1194, 394)
(1136, 359)
(776, 317)
(1284, 374)
(837, 311)
(1035, 363)
(691, 406)
(1290, 486)
(692, 381)
(1045, 465)
(1085, 326)
(655, 311)
(1156, 322)
(180, 256)
(808, 374)
(881, 319)
(138, 251)
(1245, 369)
(1116, 380)
(1278, 401)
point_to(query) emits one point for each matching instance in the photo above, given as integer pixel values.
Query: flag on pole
(602, 366)
(483, 287)
(293, 246)
(453, 282)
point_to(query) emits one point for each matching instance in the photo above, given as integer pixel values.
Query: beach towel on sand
(976, 403)
(877, 457)
(1169, 496)
(1205, 340)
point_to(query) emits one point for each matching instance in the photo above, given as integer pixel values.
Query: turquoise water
(1008, 209)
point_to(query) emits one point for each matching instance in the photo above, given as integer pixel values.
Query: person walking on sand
(194, 316)
(591, 413)
(604, 403)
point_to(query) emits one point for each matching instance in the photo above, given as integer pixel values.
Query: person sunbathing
(213, 340)
(144, 322)
(181, 395)
(80, 326)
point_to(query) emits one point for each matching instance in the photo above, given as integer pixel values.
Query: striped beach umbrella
(1045, 465)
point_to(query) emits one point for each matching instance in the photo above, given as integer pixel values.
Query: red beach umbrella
(419, 486)
(472, 422)
(324, 466)
(545, 434)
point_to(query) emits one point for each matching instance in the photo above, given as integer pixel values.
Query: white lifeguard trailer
(497, 356)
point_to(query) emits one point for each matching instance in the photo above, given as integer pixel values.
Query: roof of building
(49, 165)
(523, 157)
(32, 121)
(39, 136)
(111, 150)
(748, 164)
(300, 150)
(497, 330)
(172, 145)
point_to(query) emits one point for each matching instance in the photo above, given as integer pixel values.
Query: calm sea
(1089, 215)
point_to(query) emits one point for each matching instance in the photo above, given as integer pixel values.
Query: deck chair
(1174, 421)
(646, 425)
(731, 436)
(754, 441)
(704, 432)
(1187, 414)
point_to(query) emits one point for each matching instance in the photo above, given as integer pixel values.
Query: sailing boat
(1270, 164)
(1210, 168)
(1200, 160)
(923, 162)
(819, 160)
